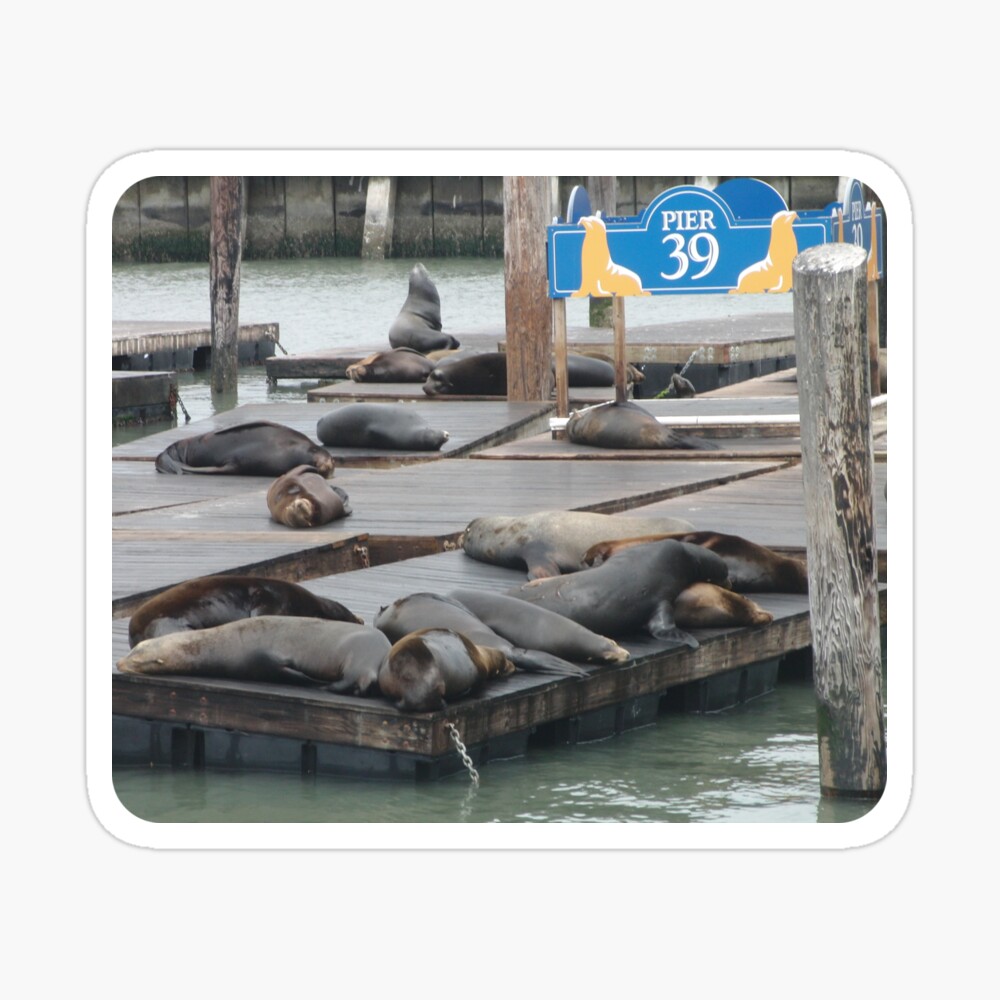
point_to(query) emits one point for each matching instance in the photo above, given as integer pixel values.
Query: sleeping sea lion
(207, 601)
(390, 426)
(302, 498)
(402, 364)
(425, 610)
(752, 568)
(707, 605)
(426, 667)
(551, 542)
(626, 425)
(633, 591)
(343, 656)
(258, 448)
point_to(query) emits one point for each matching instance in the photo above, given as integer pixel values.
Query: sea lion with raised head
(258, 448)
(633, 591)
(418, 324)
(343, 656)
(426, 668)
(302, 498)
(752, 568)
(206, 601)
(426, 610)
(626, 425)
(390, 426)
(551, 542)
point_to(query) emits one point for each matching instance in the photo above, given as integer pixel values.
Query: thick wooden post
(618, 326)
(873, 348)
(527, 211)
(380, 214)
(831, 345)
(603, 194)
(225, 254)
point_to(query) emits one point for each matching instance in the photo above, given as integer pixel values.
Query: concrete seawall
(167, 218)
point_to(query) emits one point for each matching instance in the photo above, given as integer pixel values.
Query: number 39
(702, 248)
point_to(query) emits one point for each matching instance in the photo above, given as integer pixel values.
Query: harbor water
(755, 763)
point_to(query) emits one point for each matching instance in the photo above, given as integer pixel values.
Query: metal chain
(466, 759)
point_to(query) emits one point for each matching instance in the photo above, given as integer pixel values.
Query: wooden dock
(400, 539)
(154, 345)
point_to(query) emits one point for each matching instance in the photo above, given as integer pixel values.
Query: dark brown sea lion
(706, 605)
(342, 656)
(532, 627)
(403, 364)
(207, 601)
(551, 542)
(395, 426)
(302, 498)
(476, 375)
(425, 610)
(425, 668)
(633, 591)
(752, 567)
(259, 448)
(418, 324)
(681, 387)
(626, 425)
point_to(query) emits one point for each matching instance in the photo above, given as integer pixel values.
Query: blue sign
(740, 238)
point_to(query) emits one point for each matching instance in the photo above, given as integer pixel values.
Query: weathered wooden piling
(380, 213)
(527, 211)
(831, 342)
(225, 254)
(603, 193)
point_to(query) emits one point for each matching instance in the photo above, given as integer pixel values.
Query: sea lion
(551, 542)
(403, 364)
(533, 627)
(634, 590)
(425, 667)
(395, 426)
(601, 276)
(681, 387)
(258, 448)
(626, 425)
(206, 601)
(343, 656)
(774, 272)
(302, 498)
(753, 568)
(476, 375)
(707, 605)
(418, 324)
(425, 610)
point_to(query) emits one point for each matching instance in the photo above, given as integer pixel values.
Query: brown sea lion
(302, 498)
(389, 426)
(342, 656)
(426, 668)
(633, 591)
(550, 542)
(752, 568)
(626, 425)
(403, 364)
(418, 324)
(258, 448)
(707, 605)
(206, 601)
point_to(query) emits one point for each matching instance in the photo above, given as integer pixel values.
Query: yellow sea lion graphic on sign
(601, 275)
(774, 272)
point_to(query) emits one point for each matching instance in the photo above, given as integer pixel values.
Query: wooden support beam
(225, 254)
(380, 213)
(838, 475)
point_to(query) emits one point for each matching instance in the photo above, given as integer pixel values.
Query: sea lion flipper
(541, 561)
(537, 662)
(662, 626)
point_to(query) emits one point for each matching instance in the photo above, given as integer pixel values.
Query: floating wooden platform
(152, 345)
(405, 392)
(401, 539)
(139, 398)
